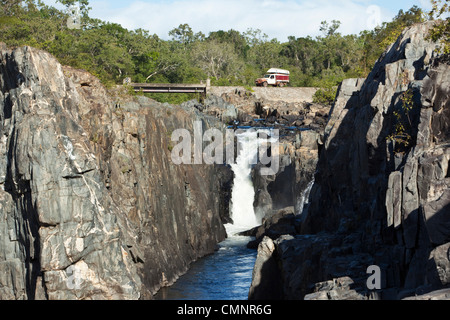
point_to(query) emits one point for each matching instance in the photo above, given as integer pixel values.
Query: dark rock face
(376, 200)
(266, 283)
(299, 154)
(281, 223)
(91, 205)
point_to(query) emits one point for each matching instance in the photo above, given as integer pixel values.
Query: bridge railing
(169, 88)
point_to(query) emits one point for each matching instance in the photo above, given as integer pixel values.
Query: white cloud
(425, 4)
(278, 19)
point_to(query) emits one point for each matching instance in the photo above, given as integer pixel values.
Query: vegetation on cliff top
(442, 30)
(112, 52)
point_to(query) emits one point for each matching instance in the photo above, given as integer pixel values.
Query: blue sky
(277, 18)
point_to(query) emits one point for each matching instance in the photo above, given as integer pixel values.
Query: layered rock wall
(381, 192)
(91, 205)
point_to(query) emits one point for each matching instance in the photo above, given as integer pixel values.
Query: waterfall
(243, 193)
(304, 197)
(254, 146)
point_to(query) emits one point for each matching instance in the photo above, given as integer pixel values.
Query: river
(227, 274)
(224, 275)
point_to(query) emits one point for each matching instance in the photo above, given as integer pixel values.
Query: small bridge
(286, 94)
(169, 88)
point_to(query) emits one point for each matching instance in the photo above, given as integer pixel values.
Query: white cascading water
(304, 198)
(243, 193)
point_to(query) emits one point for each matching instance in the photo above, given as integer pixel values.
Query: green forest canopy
(112, 52)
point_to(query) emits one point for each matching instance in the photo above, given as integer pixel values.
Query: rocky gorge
(92, 207)
(381, 191)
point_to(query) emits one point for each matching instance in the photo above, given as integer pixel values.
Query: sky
(276, 18)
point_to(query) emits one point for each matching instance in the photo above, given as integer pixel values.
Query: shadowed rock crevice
(375, 202)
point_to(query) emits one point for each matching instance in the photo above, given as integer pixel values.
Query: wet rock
(443, 294)
(299, 154)
(214, 106)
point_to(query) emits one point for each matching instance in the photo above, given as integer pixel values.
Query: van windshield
(267, 76)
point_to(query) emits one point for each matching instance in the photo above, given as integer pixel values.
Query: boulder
(336, 289)
(443, 294)
(266, 283)
(281, 223)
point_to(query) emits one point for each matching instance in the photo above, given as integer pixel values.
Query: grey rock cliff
(376, 200)
(91, 206)
(57, 221)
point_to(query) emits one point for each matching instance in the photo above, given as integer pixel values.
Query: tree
(441, 32)
(328, 84)
(112, 52)
(217, 60)
(439, 8)
(389, 32)
(233, 37)
(375, 42)
(150, 55)
(28, 23)
(9, 7)
(255, 37)
(350, 54)
(329, 30)
(266, 55)
(261, 52)
(154, 63)
(102, 52)
(184, 35)
(302, 53)
(329, 41)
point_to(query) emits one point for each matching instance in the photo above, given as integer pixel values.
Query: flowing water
(303, 200)
(243, 193)
(226, 274)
